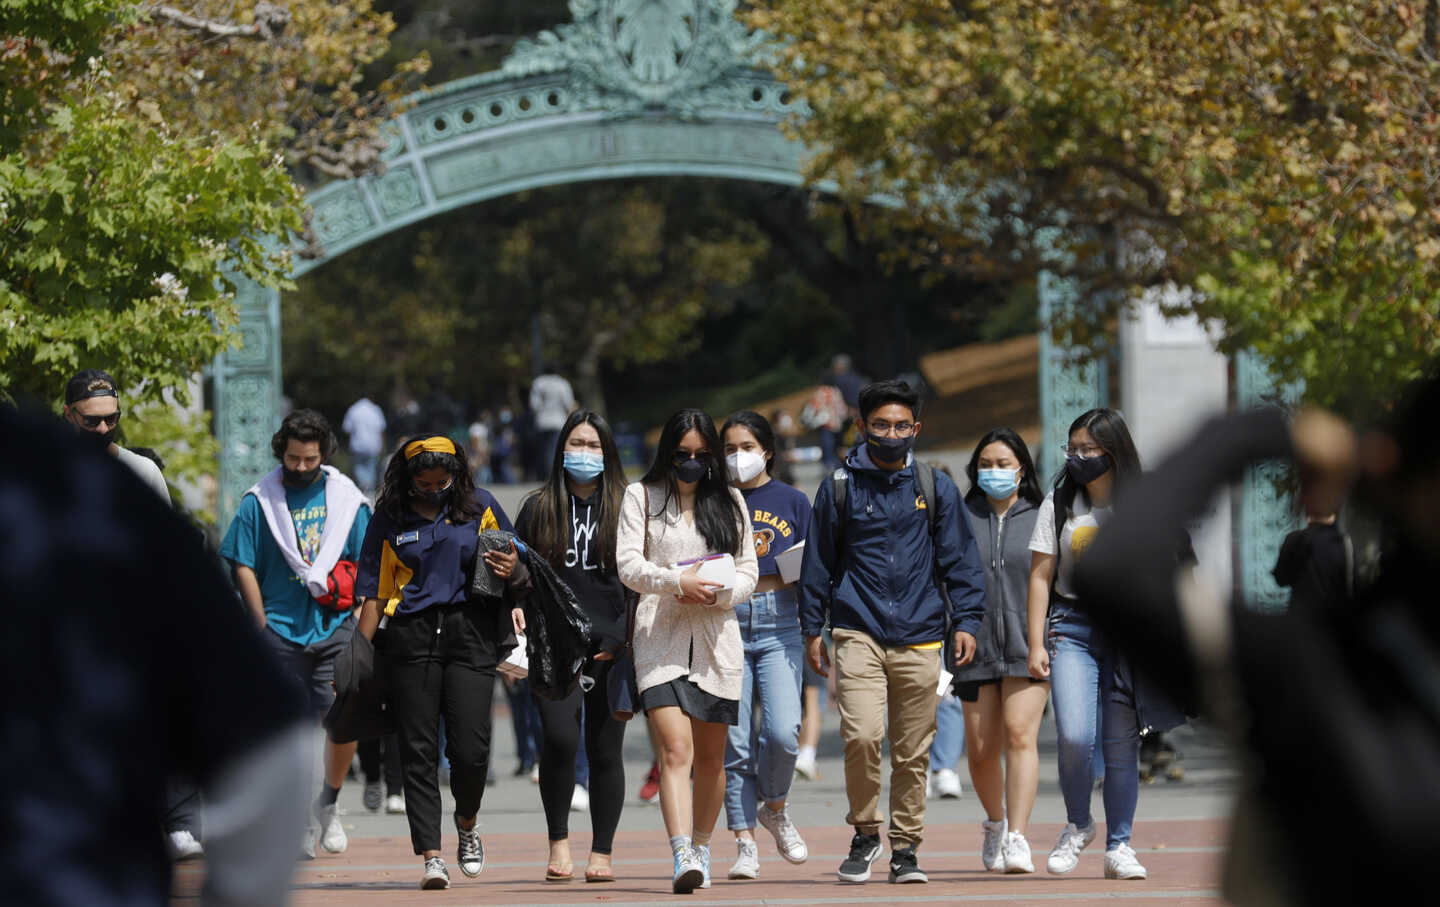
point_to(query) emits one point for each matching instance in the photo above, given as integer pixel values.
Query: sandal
(600, 874)
(553, 874)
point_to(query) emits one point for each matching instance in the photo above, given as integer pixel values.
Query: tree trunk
(589, 390)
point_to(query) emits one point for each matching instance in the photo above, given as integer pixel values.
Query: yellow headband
(436, 444)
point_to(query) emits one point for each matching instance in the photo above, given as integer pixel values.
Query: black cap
(90, 382)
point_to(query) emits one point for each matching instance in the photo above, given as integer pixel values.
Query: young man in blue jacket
(874, 563)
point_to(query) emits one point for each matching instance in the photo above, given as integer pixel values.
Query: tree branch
(270, 20)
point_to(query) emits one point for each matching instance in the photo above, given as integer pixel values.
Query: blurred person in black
(1339, 711)
(125, 662)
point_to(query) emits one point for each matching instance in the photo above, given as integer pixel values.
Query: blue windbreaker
(875, 571)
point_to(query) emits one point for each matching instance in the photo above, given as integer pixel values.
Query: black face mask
(1086, 470)
(889, 450)
(299, 478)
(433, 498)
(691, 470)
(97, 440)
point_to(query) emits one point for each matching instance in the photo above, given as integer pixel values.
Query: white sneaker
(436, 875)
(332, 833)
(702, 852)
(992, 852)
(1120, 863)
(787, 836)
(1017, 853)
(183, 846)
(806, 769)
(1072, 840)
(747, 862)
(580, 800)
(535, 774)
(395, 805)
(307, 843)
(947, 784)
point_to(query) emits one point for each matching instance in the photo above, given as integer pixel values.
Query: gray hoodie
(1004, 547)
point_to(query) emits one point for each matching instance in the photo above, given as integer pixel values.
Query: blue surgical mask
(583, 466)
(998, 483)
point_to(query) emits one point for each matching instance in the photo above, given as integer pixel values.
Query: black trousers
(382, 754)
(604, 742)
(441, 663)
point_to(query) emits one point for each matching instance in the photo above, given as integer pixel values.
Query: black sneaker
(864, 850)
(903, 868)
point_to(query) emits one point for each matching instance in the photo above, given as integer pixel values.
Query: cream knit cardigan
(673, 639)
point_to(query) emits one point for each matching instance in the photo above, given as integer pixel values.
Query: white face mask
(744, 465)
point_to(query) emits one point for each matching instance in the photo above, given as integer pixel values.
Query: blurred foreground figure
(124, 661)
(1338, 709)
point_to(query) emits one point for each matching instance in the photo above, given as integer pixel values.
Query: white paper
(945, 678)
(719, 569)
(789, 562)
(517, 664)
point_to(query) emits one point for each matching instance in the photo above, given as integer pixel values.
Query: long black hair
(547, 526)
(1029, 482)
(758, 426)
(717, 514)
(1108, 429)
(394, 496)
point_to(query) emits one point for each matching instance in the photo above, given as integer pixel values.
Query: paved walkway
(1179, 836)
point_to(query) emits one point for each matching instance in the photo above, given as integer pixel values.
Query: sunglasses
(110, 420)
(680, 456)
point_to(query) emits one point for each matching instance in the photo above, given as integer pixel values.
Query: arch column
(247, 395)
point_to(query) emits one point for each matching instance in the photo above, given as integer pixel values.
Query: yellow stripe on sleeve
(394, 576)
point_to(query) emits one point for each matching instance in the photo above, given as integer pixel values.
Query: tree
(1278, 155)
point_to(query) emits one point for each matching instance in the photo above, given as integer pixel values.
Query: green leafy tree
(1279, 155)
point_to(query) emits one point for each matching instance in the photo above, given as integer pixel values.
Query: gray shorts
(313, 666)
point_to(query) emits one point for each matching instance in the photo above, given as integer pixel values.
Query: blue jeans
(1085, 696)
(760, 762)
(949, 743)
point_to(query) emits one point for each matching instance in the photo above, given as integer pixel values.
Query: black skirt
(693, 701)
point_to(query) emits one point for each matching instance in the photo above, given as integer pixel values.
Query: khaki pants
(872, 682)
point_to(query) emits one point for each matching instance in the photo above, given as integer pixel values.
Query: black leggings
(604, 742)
(441, 664)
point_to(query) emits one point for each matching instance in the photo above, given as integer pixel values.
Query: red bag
(341, 581)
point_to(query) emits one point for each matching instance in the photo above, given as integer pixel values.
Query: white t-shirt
(146, 469)
(365, 424)
(1075, 537)
(550, 400)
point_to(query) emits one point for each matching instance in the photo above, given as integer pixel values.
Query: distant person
(1002, 703)
(873, 568)
(760, 760)
(479, 452)
(825, 413)
(551, 400)
(365, 425)
(125, 665)
(1317, 565)
(687, 646)
(92, 407)
(502, 447)
(292, 529)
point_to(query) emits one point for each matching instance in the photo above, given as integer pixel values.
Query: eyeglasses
(899, 429)
(93, 422)
(680, 456)
(1085, 451)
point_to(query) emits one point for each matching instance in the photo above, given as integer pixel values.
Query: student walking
(760, 760)
(1002, 703)
(886, 532)
(439, 647)
(1087, 676)
(573, 522)
(291, 530)
(686, 640)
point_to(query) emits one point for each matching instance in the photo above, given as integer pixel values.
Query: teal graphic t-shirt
(289, 609)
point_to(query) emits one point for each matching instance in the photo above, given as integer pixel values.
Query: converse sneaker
(904, 870)
(436, 876)
(395, 804)
(471, 855)
(374, 795)
(992, 852)
(747, 860)
(1120, 863)
(1072, 840)
(183, 846)
(864, 850)
(332, 833)
(688, 871)
(1017, 853)
(947, 784)
(787, 837)
(702, 851)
